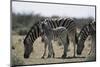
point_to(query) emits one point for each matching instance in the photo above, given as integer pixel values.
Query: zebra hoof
(53, 55)
(49, 56)
(63, 56)
(42, 57)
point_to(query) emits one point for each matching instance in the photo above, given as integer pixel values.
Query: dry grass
(35, 57)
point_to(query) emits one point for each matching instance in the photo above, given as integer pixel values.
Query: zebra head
(80, 46)
(80, 41)
(44, 26)
(27, 48)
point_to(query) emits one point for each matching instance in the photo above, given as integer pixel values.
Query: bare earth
(35, 57)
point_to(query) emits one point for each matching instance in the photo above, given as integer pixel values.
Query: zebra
(69, 24)
(31, 36)
(53, 34)
(35, 32)
(88, 29)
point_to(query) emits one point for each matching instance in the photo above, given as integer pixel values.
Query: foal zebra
(88, 29)
(53, 34)
(35, 32)
(69, 24)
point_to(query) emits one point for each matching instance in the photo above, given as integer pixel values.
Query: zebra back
(68, 23)
(35, 31)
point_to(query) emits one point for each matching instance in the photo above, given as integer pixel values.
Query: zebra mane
(82, 30)
(33, 28)
(88, 24)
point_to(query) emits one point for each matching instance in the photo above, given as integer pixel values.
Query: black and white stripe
(68, 23)
(88, 29)
(52, 34)
(31, 36)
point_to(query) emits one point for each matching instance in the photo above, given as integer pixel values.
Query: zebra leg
(72, 37)
(42, 38)
(53, 54)
(65, 43)
(46, 42)
(93, 47)
(74, 43)
(49, 49)
(45, 46)
(65, 50)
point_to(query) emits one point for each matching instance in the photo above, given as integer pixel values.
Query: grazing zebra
(53, 34)
(35, 32)
(32, 35)
(88, 29)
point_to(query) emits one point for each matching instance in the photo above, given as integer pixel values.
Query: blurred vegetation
(15, 60)
(21, 23)
(80, 22)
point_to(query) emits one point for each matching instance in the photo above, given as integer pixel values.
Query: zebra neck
(47, 31)
(83, 37)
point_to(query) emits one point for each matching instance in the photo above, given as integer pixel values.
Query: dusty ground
(35, 57)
